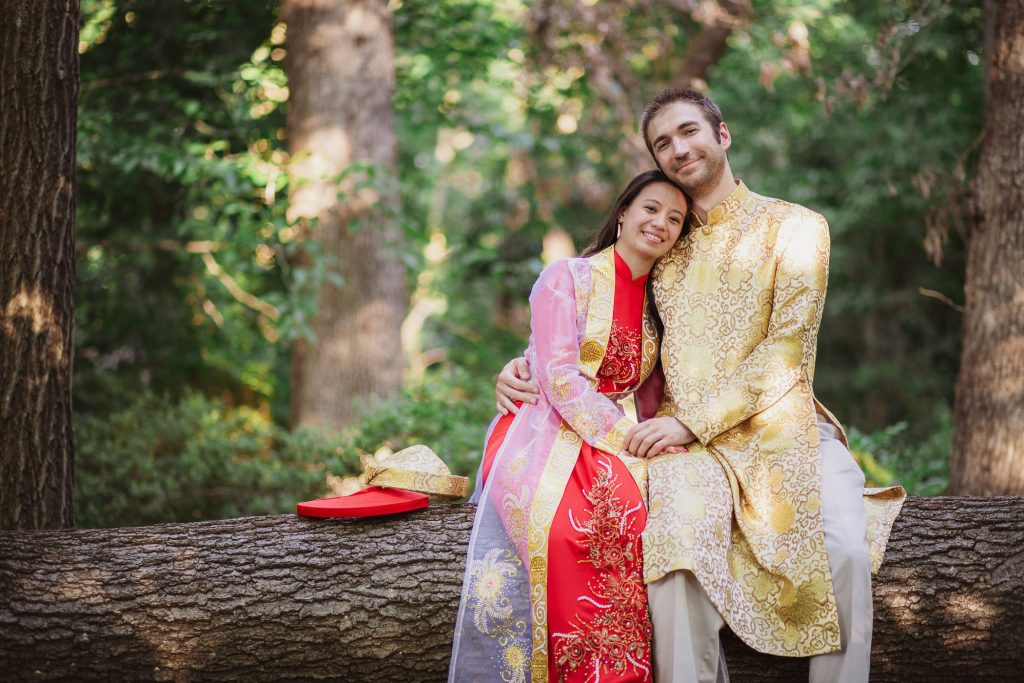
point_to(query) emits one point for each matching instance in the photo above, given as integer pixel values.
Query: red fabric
(369, 502)
(495, 441)
(598, 626)
(598, 623)
(621, 365)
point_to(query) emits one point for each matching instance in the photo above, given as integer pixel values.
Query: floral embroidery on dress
(619, 635)
(491, 583)
(622, 361)
(515, 516)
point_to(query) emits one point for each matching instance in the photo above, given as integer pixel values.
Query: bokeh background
(516, 127)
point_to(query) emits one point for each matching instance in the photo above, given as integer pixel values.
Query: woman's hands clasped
(648, 439)
(657, 436)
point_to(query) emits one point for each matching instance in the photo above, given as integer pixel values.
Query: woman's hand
(513, 385)
(656, 436)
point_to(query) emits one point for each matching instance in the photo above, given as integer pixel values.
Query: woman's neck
(638, 265)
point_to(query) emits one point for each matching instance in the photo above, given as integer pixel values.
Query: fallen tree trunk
(284, 598)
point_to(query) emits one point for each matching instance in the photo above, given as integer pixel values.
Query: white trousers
(686, 623)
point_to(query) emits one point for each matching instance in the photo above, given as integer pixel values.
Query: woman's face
(652, 222)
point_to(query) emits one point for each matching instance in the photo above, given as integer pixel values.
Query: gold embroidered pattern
(591, 352)
(417, 468)
(441, 487)
(622, 359)
(594, 281)
(648, 348)
(489, 600)
(613, 441)
(556, 475)
(619, 637)
(741, 299)
(638, 470)
(601, 300)
(514, 516)
(882, 506)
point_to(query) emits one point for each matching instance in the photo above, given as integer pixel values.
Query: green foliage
(891, 456)
(159, 460)
(187, 274)
(875, 131)
(875, 137)
(448, 411)
(189, 285)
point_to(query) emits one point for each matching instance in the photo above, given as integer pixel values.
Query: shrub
(162, 461)
(449, 411)
(890, 456)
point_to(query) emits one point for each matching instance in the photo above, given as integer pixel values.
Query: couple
(608, 551)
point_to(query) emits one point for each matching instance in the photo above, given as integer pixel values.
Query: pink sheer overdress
(553, 587)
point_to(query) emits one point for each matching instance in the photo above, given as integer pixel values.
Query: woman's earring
(618, 233)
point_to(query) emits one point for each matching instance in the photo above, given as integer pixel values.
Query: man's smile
(687, 164)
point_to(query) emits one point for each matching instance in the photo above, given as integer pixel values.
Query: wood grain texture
(284, 598)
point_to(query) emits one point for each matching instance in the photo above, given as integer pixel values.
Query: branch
(719, 20)
(236, 290)
(193, 247)
(286, 598)
(941, 297)
(154, 75)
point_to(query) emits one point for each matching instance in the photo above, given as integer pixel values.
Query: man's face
(686, 148)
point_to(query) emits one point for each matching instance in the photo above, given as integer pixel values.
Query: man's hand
(656, 436)
(514, 385)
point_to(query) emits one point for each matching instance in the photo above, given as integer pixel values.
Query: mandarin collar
(623, 272)
(736, 199)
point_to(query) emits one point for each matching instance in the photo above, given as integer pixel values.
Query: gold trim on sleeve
(599, 312)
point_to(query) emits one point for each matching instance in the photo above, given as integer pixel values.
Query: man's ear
(723, 133)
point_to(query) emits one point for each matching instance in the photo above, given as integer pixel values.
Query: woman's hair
(608, 232)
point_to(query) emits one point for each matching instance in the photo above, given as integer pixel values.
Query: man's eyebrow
(684, 124)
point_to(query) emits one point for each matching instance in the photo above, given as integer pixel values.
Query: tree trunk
(39, 91)
(988, 444)
(286, 598)
(340, 67)
(708, 46)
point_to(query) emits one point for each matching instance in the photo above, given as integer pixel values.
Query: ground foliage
(194, 458)
(511, 119)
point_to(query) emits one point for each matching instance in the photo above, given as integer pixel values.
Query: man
(762, 523)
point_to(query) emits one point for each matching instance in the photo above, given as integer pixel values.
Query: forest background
(516, 127)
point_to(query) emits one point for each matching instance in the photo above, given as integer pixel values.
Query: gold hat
(417, 468)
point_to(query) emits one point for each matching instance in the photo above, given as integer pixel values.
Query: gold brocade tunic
(741, 298)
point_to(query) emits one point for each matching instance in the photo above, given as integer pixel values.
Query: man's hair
(712, 113)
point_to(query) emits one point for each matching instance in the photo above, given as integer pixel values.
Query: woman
(554, 589)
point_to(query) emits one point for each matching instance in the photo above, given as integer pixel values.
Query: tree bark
(286, 598)
(708, 46)
(39, 92)
(340, 66)
(988, 443)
